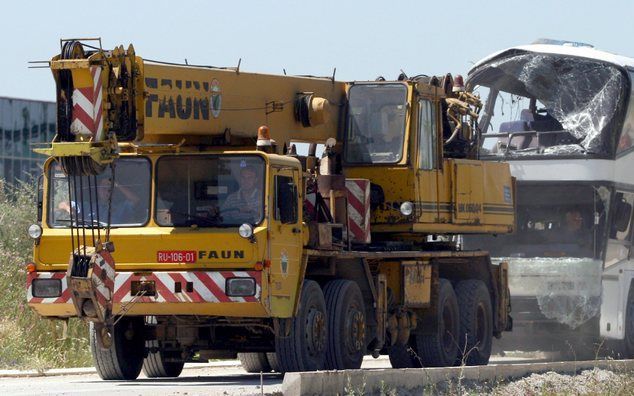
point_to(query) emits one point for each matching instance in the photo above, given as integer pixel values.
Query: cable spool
(311, 110)
(302, 104)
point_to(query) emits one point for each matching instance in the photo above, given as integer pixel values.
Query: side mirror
(622, 216)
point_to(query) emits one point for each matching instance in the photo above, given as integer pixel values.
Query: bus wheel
(124, 358)
(254, 362)
(304, 349)
(157, 365)
(439, 348)
(476, 323)
(346, 325)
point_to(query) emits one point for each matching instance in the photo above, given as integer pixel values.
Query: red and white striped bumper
(181, 292)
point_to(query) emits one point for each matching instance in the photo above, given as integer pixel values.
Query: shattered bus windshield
(210, 190)
(549, 105)
(376, 123)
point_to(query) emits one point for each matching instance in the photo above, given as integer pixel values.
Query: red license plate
(176, 256)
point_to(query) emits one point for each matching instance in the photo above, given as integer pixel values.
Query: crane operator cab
(416, 140)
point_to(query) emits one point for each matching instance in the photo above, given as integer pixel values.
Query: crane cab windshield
(376, 123)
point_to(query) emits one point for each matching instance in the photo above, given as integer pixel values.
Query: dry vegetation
(26, 340)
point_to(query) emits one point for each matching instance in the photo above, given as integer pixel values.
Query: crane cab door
(428, 163)
(285, 239)
(468, 192)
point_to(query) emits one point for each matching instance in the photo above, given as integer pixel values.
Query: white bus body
(562, 114)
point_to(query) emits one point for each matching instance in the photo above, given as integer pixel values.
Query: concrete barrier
(381, 381)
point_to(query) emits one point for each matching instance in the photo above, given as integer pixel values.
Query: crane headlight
(246, 231)
(34, 231)
(407, 208)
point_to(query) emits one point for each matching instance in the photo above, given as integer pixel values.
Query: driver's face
(247, 179)
(103, 189)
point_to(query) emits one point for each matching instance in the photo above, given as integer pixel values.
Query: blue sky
(362, 39)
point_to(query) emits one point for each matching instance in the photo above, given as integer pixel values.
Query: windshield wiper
(80, 222)
(210, 221)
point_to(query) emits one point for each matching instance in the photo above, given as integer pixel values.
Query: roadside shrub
(26, 340)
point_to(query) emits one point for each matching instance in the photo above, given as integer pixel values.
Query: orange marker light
(264, 138)
(258, 266)
(30, 268)
(263, 133)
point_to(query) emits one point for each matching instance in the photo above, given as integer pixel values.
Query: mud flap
(90, 277)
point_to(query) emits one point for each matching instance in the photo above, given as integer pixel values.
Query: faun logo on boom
(195, 100)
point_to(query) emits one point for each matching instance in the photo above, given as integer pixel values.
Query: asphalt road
(197, 380)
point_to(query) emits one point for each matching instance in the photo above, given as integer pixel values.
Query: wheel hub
(355, 326)
(315, 331)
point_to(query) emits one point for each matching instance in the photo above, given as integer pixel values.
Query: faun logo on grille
(220, 254)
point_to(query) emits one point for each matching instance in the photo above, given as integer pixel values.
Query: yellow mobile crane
(185, 214)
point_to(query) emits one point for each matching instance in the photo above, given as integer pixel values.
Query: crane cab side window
(427, 137)
(285, 200)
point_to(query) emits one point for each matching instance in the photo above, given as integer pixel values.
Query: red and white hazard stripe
(359, 209)
(87, 108)
(310, 205)
(206, 287)
(103, 278)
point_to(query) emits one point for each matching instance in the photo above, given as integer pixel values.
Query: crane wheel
(439, 348)
(304, 348)
(272, 359)
(254, 362)
(124, 358)
(346, 325)
(155, 364)
(404, 356)
(476, 323)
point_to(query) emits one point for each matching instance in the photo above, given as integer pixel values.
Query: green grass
(26, 340)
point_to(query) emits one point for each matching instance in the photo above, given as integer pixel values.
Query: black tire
(346, 325)
(272, 358)
(124, 358)
(439, 347)
(404, 356)
(476, 323)
(254, 362)
(304, 349)
(155, 366)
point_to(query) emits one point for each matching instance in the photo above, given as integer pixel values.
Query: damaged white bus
(562, 114)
